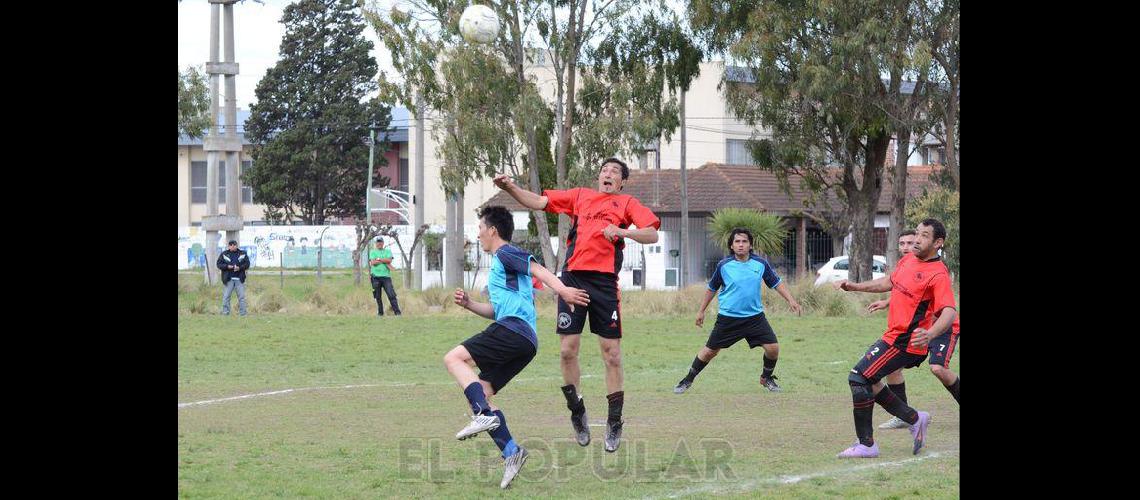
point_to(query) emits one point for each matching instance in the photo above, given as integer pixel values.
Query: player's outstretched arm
(782, 289)
(874, 286)
(645, 235)
(878, 305)
(572, 296)
(704, 305)
(526, 198)
(463, 300)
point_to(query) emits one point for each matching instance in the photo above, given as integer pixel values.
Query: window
(841, 265)
(403, 184)
(198, 183)
(877, 267)
(737, 152)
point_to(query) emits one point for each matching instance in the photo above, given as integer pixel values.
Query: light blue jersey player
(738, 282)
(507, 345)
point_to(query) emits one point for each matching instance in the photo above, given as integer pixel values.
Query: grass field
(372, 412)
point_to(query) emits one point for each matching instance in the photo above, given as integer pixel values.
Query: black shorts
(604, 309)
(942, 348)
(882, 359)
(500, 354)
(729, 330)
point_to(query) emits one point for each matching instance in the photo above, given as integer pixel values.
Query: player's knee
(709, 354)
(569, 354)
(772, 350)
(938, 370)
(613, 357)
(857, 379)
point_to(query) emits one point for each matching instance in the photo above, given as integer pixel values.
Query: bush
(768, 231)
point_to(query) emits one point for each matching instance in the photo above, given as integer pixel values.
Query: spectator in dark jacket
(233, 262)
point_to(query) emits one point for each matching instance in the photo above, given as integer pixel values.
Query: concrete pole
(685, 246)
(233, 158)
(418, 199)
(212, 156)
(371, 159)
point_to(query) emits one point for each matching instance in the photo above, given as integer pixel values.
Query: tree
(193, 103)
(943, 29)
(942, 204)
(768, 231)
(311, 122)
(824, 77)
(489, 126)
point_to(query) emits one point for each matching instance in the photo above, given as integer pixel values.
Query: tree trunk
(898, 196)
(951, 121)
(864, 202)
(452, 244)
(531, 140)
(571, 66)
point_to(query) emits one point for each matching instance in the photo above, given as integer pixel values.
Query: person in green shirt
(380, 259)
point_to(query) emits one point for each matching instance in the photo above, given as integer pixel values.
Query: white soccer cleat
(894, 423)
(512, 465)
(479, 423)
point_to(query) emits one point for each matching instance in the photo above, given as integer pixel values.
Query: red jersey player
(601, 220)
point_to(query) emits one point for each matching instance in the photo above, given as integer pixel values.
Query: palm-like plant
(768, 231)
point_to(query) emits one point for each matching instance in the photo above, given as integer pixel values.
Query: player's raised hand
(701, 318)
(504, 182)
(461, 298)
(574, 296)
(877, 305)
(920, 337)
(612, 232)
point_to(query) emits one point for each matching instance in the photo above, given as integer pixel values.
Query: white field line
(319, 388)
(744, 486)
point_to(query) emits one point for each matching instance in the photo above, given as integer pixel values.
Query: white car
(836, 269)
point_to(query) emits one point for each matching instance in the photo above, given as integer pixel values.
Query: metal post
(371, 156)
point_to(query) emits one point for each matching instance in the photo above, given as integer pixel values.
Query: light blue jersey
(739, 285)
(511, 291)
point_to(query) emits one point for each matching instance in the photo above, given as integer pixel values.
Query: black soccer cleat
(770, 383)
(581, 429)
(613, 435)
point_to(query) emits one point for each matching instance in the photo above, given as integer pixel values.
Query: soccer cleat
(613, 435)
(682, 386)
(770, 383)
(860, 451)
(479, 423)
(581, 429)
(894, 423)
(918, 430)
(511, 466)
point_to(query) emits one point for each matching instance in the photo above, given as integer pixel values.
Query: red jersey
(590, 212)
(920, 290)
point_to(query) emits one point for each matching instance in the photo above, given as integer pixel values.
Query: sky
(257, 37)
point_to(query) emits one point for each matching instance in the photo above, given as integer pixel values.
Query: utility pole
(215, 144)
(371, 158)
(418, 198)
(685, 245)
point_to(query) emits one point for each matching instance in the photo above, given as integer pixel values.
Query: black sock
(953, 388)
(573, 402)
(896, 406)
(899, 390)
(617, 400)
(769, 365)
(695, 370)
(864, 405)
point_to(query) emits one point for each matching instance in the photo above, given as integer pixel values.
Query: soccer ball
(479, 24)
